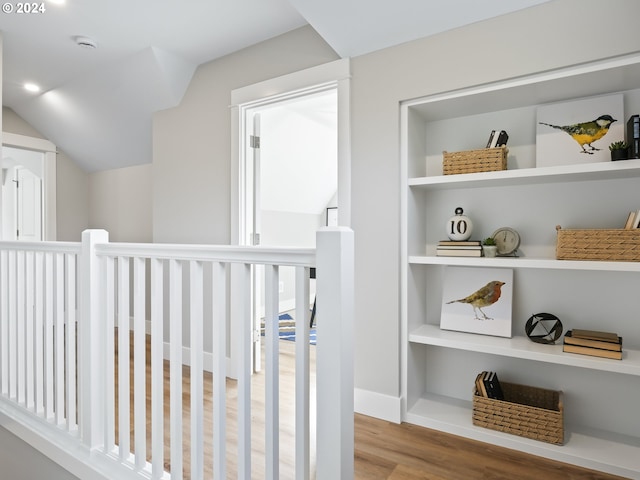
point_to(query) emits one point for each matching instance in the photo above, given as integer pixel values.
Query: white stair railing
(187, 308)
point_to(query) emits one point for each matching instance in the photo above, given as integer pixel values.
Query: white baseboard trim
(378, 405)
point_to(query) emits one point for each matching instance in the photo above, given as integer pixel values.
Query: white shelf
(532, 176)
(522, 262)
(595, 449)
(522, 347)
(570, 193)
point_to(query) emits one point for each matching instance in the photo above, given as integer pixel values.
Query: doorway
(291, 175)
(28, 188)
(22, 209)
(286, 209)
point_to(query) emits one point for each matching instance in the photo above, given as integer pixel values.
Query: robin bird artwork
(588, 132)
(487, 295)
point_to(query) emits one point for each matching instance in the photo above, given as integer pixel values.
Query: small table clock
(507, 240)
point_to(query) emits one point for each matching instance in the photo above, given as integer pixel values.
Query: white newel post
(334, 353)
(92, 338)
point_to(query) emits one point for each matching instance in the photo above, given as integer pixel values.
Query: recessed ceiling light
(58, 2)
(31, 87)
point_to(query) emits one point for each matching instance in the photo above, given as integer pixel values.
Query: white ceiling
(97, 104)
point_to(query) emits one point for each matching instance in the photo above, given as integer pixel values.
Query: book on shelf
(490, 141)
(636, 220)
(630, 219)
(459, 252)
(594, 352)
(480, 389)
(497, 138)
(595, 335)
(606, 343)
(633, 136)
(492, 385)
(488, 385)
(459, 243)
(502, 139)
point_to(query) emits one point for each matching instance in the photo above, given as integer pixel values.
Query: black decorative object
(543, 328)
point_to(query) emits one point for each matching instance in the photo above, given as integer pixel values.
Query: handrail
(304, 257)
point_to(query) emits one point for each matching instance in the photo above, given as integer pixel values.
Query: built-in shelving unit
(602, 428)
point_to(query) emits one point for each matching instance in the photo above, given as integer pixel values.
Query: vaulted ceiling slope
(96, 103)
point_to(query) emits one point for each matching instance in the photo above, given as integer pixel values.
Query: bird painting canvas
(477, 300)
(579, 131)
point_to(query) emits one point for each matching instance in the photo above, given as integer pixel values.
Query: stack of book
(497, 138)
(597, 344)
(487, 385)
(465, 248)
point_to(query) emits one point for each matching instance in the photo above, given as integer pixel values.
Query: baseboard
(378, 405)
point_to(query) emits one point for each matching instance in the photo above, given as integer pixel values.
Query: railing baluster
(58, 319)
(29, 331)
(49, 339)
(219, 347)
(109, 302)
(302, 374)
(39, 331)
(157, 368)
(197, 388)
(13, 326)
(175, 369)
(272, 381)
(21, 326)
(124, 383)
(139, 362)
(70, 287)
(4, 320)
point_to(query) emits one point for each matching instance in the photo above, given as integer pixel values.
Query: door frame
(337, 73)
(24, 142)
(330, 75)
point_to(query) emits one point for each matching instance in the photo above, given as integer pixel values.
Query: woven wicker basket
(474, 161)
(621, 245)
(529, 412)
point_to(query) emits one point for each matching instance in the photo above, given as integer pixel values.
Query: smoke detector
(86, 42)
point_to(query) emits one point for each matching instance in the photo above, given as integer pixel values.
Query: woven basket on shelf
(474, 161)
(529, 412)
(621, 245)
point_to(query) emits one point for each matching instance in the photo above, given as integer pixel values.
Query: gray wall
(20, 461)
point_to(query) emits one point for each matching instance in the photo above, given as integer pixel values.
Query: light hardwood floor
(383, 450)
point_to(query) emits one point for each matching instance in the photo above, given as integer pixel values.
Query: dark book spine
(633, 136)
